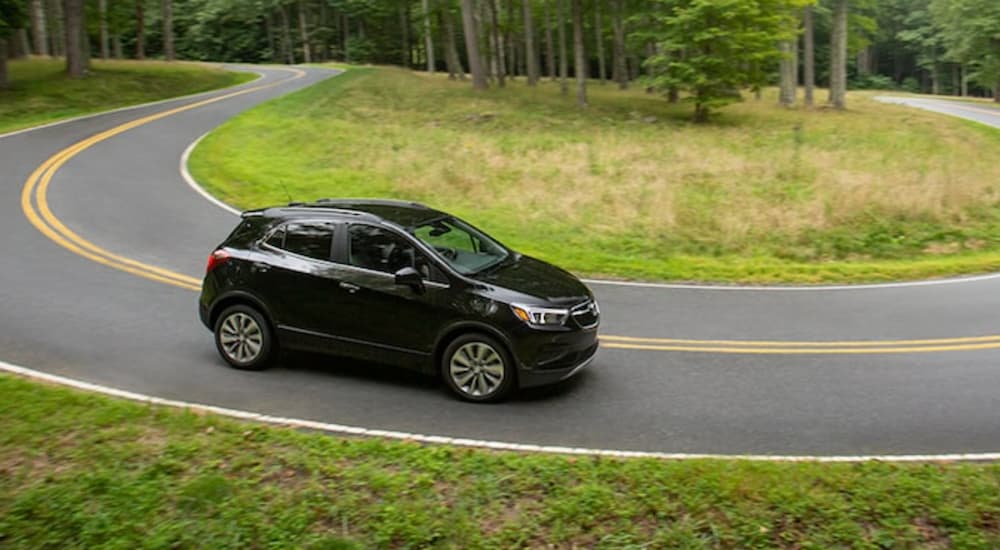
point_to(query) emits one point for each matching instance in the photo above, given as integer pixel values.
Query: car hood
(539, 279)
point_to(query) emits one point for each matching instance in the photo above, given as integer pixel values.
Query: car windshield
(460, 245)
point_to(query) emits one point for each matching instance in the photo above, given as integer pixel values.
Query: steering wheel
(447, 252)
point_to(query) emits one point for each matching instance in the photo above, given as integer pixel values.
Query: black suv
(396, 282)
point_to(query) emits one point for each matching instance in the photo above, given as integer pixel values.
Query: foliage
(971, 31)
(13, 15)
(714, 48)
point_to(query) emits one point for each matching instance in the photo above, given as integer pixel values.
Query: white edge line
(194, 184)
(236, 69)
(463, 442)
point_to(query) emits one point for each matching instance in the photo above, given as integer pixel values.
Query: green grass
(40, 91)
(630, 188)
(80, 470)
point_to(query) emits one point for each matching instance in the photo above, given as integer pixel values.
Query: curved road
(895, 369)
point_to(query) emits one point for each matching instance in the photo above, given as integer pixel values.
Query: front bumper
(530, 378)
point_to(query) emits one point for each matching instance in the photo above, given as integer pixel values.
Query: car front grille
(586, 315)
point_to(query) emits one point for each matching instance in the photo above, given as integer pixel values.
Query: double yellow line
(34, 203)
(763, 347)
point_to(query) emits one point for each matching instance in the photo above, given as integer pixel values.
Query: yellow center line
(45, 221)
(804, 351)
(631, 340)
(36, 191)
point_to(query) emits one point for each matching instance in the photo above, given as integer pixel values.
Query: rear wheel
(244, 338)
(478, 368)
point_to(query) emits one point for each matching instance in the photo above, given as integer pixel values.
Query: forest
(704, 51)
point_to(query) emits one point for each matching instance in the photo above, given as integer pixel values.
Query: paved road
(860, 392)
(986, 113)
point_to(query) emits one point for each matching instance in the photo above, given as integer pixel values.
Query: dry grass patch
(630, 187)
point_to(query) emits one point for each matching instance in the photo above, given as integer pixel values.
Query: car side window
(310, 239)
(382, 250)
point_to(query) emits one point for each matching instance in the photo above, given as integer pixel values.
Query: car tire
(244, 338)
(478, 368)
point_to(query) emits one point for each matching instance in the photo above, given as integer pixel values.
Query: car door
(398, 322)
(296, 272)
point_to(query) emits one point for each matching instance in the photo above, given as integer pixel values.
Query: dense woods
(706, 52)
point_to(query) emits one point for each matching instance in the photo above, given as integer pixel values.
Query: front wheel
(478, 368)
(244, 338)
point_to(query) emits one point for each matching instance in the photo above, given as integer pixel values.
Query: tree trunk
(428, 37)
(965, 80)
(56, 32)
(996, 91)
(599, 42)
(74, 37)
(786, 84)
(455, 69)
(619, 71)
(496, 47)
(23, 45)
(286, 36)
(4, 82)
(809, 50)
(38, 30)
(510, 41)
(404, 27)
(304, 33)
(550, 48)
(530, 55)
(580, 58)
(116, 46)
(563, 63)
(140, 30)
(102, 11)
(838, 56)
(168, 30)
(472, 46)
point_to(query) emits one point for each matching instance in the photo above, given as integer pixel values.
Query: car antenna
(285, 189)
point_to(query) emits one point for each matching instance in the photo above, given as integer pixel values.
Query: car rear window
(310, 239)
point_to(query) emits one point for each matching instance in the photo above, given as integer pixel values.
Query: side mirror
(410, 277)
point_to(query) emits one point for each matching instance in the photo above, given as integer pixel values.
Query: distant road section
(984, 113)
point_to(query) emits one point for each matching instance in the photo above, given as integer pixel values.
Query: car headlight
(540, 316)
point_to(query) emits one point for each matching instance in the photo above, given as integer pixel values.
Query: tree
(472, 45)
(304, 33)
(580, 56)
(561, 28)
(971, 33)
(74, 38)
(722, 42)
(39, 36)
(838, 56)
(531, 56)
(102, 14)
(140, 30)
(168, 30)
(809, 53)
(428, 36)
(12, 17)
(599, 41)
(619, 73)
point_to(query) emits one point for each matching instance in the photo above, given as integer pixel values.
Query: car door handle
(261, 267)
(349, 287)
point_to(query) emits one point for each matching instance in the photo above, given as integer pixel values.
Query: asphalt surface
(65, 314)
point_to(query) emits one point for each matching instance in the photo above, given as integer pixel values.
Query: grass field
(40, 91)
(630, 188)
(79, 470)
